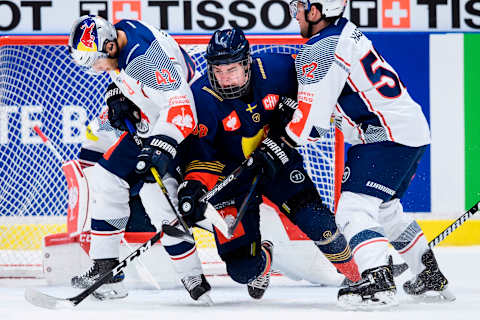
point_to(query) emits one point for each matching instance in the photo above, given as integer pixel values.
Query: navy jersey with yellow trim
(230, 129)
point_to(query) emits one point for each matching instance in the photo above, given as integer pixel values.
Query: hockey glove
(120, 108)
(190, 208)
(269, 157)
(283, 114)
(158, 154)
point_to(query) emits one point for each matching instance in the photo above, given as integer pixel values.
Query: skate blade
(382, 301)
(205, 299)
(443, 296)
(110, 292)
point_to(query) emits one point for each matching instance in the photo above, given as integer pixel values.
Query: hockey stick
(445, 233)
(140, 266)
(43, 300)
(243, 207)
(225, 182)
(48, 143)
(159, 181)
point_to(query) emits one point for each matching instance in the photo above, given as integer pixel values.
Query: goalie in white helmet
(150, 88)
(340, 72)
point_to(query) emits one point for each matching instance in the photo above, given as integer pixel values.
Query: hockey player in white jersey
(339, 71)
(150, 75)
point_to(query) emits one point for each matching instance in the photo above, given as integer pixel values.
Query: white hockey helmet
(329, 8)
(88, 38)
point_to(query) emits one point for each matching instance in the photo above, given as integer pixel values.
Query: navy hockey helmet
(225, 47)
(88, 38)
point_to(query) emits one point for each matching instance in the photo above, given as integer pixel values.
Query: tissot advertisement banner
(254, 16)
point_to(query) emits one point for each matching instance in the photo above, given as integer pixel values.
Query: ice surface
(285, 299)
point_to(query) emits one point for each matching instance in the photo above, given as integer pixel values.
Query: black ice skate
(112, 289)
(198, 287)
(375, 290)
(397, 270)
(430, 284)
(257, 287)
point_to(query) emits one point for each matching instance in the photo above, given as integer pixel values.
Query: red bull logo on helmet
(87, 41)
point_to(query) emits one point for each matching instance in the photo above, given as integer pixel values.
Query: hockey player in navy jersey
(239, 100)
(339, 71)
(150, 87)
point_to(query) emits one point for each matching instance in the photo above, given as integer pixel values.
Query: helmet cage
(226, 47)
(231, 92)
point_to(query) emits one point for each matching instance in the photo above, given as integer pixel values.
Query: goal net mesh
(40, 85)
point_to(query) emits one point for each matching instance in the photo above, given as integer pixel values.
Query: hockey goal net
(40, 85)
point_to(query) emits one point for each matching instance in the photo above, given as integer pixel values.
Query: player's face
(230, 75)
(107, 64)
(300, 16)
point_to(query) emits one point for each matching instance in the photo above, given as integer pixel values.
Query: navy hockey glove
(190, 208)
(283, 114)
(269, 157)
(120, 108)
(158, 153)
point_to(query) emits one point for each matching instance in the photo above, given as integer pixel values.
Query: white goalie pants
(369, 224)
(110, 208)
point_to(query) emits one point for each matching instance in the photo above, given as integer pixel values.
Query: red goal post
(40, 85)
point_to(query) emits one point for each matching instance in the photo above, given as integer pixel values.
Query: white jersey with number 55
(339, 72)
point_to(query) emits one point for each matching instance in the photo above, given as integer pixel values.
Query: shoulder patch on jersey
(213, 93)
(314, 61)
(231, 122)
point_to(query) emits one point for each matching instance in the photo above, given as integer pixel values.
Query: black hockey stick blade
(43, 300)
(177, 233)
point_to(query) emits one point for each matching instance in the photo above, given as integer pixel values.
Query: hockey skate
(198, 287)
(375, 290)
(397, 270)
(113, 289)
(257, 287)
(430, 285)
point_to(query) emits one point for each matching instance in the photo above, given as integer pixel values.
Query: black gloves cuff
(165, 144)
